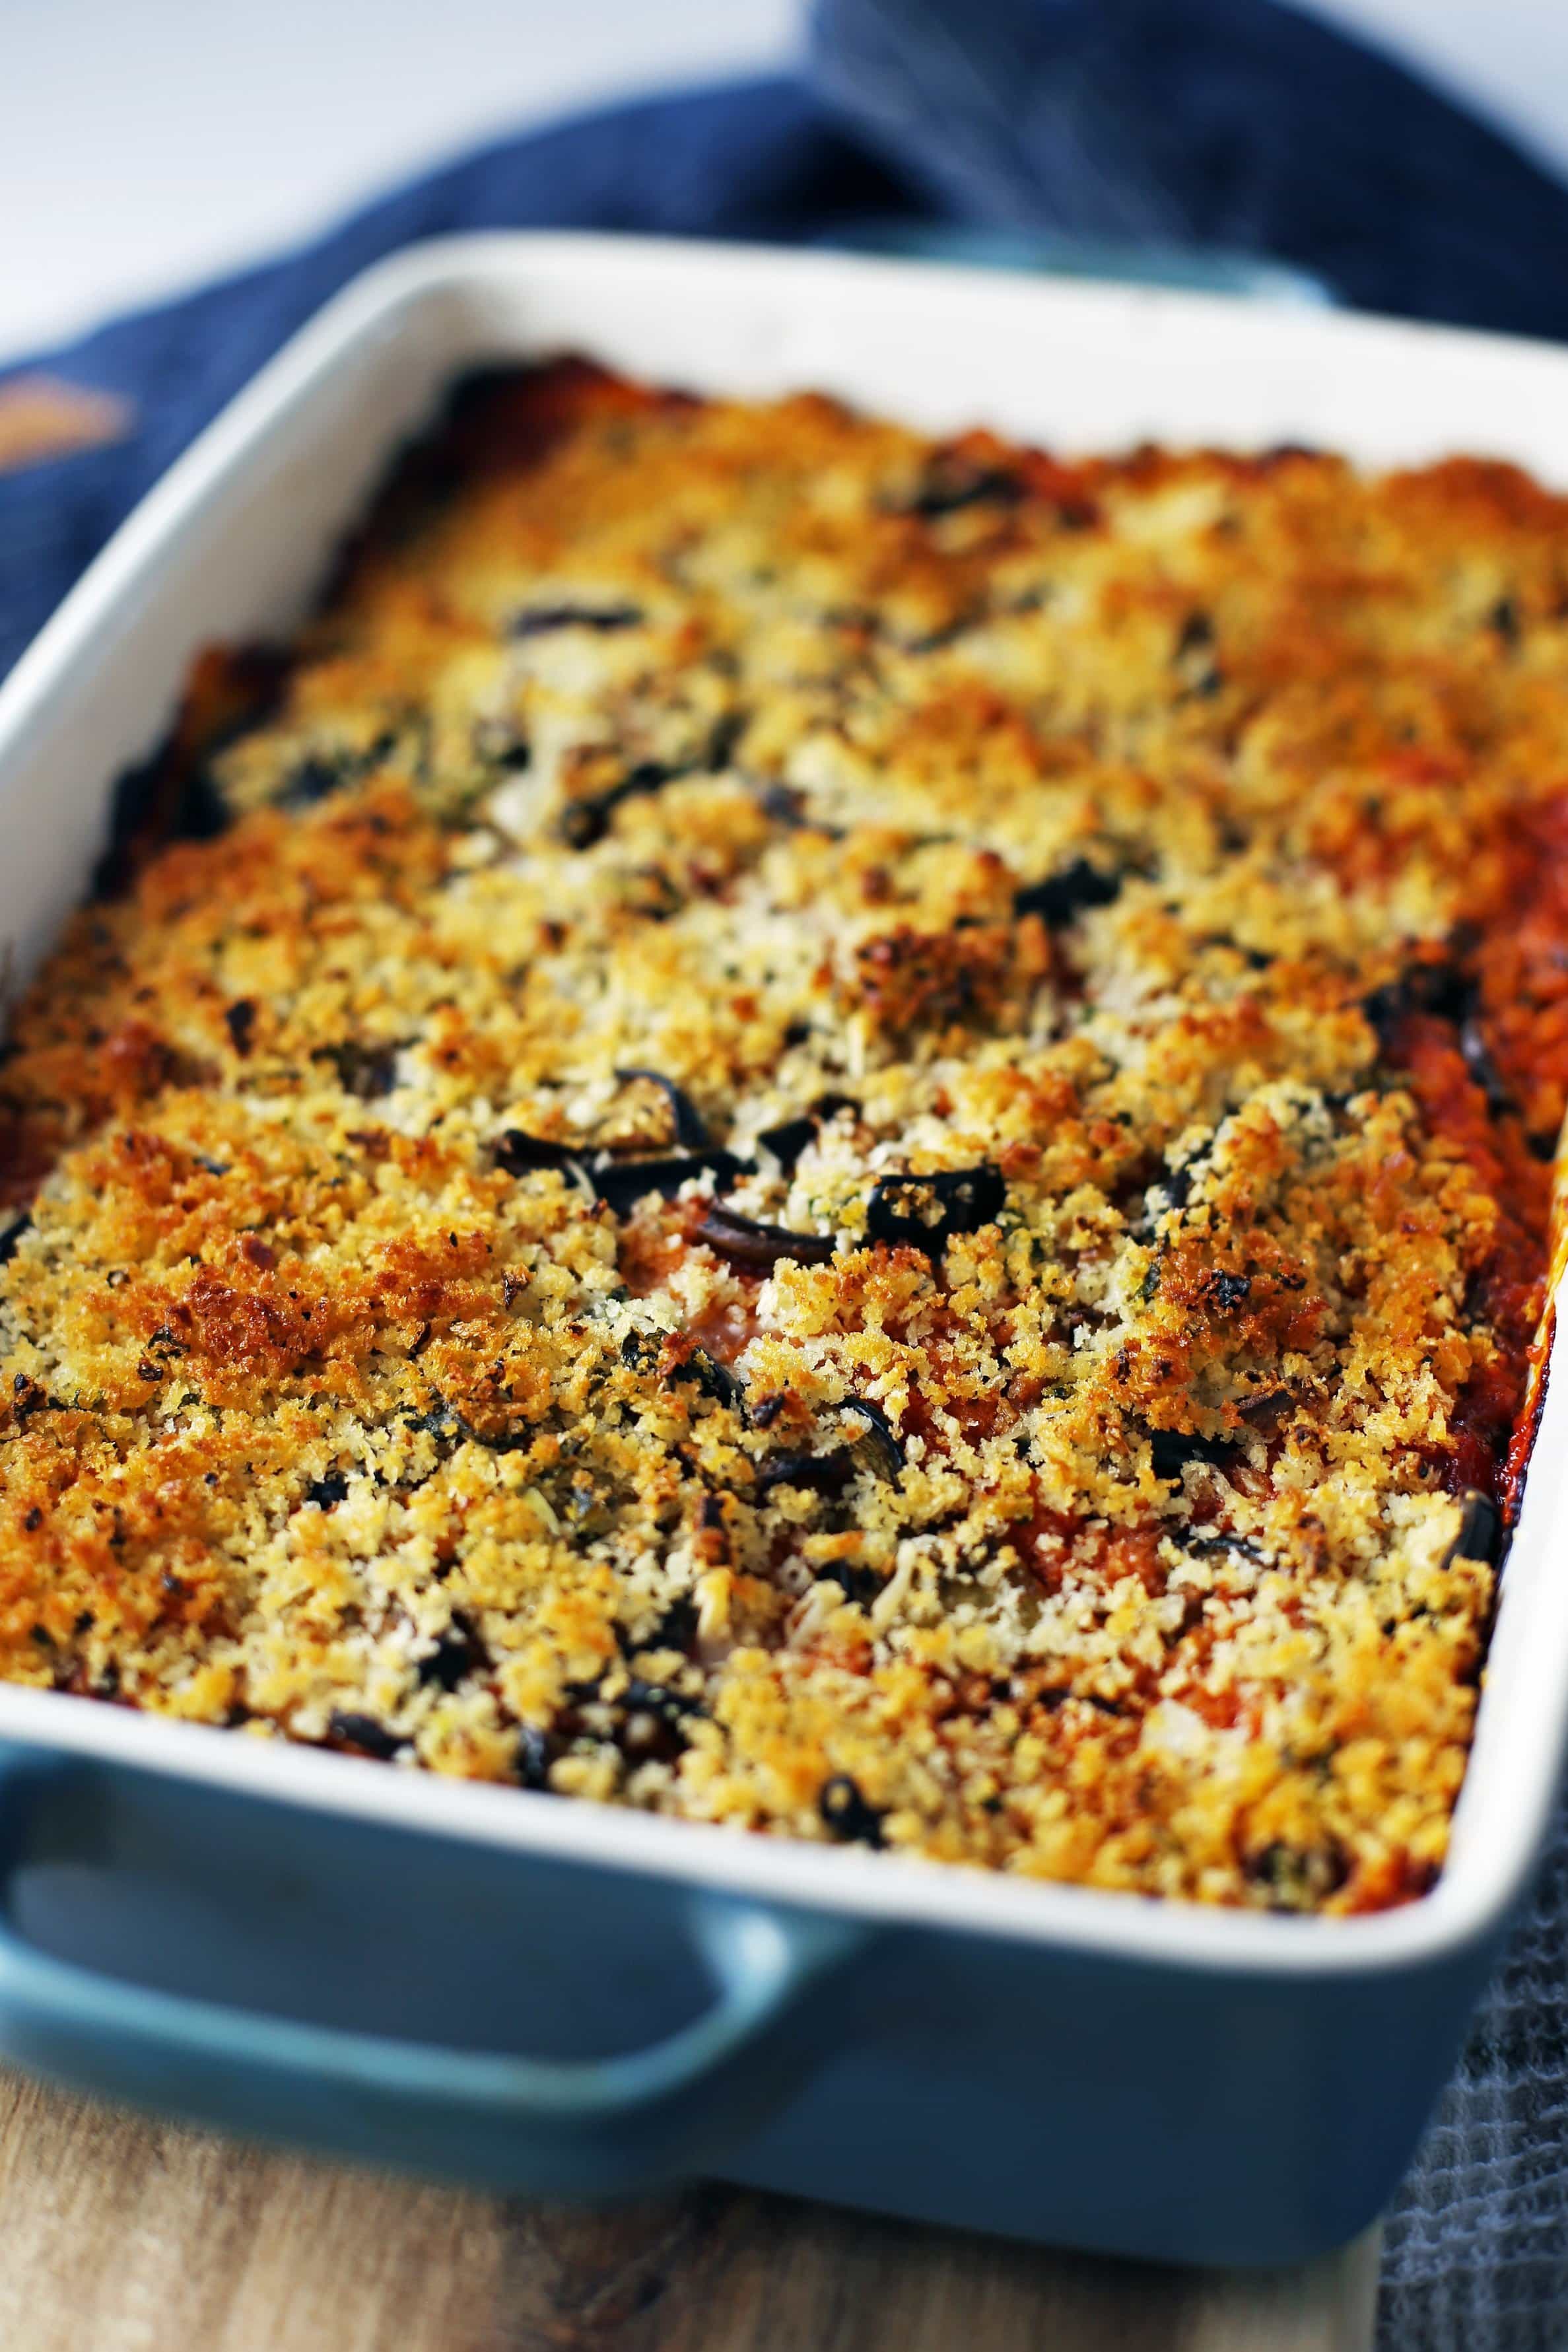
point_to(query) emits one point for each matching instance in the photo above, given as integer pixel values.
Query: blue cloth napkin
(1189, 123)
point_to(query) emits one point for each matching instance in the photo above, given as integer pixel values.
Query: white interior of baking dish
(234, 543)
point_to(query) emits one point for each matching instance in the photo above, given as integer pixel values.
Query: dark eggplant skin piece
(1481, 1531)
(790, 1137)
(879, 1427)
(364, 1732)
(623, 1182)
(745, 1242)
(846, 1813)
(1171, 1450)
(583, 823)
(691, 1130)
(519, 1154)
(966, 1198)
(1061, 898)
(540, 620)
(816, 1474)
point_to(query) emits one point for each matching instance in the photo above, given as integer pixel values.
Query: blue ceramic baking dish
(550, 1997)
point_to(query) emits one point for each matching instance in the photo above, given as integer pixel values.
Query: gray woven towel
(1476, 2250)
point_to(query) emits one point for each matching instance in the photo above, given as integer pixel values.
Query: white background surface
(145, 144)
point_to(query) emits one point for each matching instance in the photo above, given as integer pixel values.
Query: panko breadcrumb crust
(825, 1132)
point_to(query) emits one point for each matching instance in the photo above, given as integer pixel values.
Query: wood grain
(123, 2235)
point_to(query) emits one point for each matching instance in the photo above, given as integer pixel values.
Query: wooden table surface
(122, 2235)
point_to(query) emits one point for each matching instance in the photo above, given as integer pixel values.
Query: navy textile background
(1234, 123)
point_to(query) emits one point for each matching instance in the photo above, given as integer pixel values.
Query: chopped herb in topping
(846, 1815)
(744, 1242)
(1061, 898)
(364, 1732)
(690, 1132)
(929, 1212)
(454, 1428)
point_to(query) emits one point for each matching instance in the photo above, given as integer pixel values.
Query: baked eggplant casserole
(825, 1132)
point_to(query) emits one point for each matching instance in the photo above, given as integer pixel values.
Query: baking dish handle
(575, 2127)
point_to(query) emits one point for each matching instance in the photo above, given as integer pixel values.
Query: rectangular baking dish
(557, 1998)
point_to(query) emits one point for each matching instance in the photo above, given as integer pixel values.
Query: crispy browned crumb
(1156, 855)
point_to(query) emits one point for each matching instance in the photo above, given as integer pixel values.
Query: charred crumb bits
(328, 1492)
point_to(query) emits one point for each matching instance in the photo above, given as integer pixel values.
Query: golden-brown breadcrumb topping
(828, 1133)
